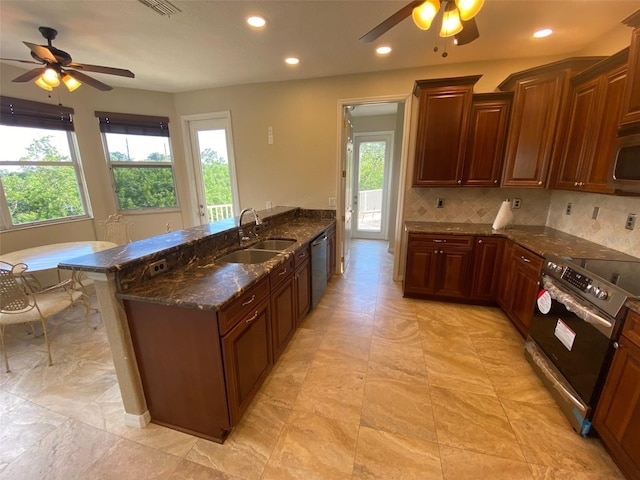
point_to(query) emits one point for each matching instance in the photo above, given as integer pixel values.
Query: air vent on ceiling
(163, 7)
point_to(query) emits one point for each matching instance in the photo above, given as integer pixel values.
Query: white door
(370, 194)
(216, 191)
(348, 211)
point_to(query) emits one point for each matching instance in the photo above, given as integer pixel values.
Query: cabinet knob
(435, 251)
(576, 184)
(495, 182)
(616, 345)
(441, 251)
(540, 182)
(459, 182)
(479, 241)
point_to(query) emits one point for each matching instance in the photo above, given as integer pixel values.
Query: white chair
(116, 229)
(19, 303)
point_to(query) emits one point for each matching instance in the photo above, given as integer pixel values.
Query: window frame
(22, 113)
(139, 125)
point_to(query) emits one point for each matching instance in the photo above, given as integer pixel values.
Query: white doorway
(371, 181)
(212, 167)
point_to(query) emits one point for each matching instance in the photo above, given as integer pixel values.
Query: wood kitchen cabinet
(537, 117)
(444, 106)
(438, 266)
(519, 285)
(617, 415)
(487, 259)
(283, 306)
(302, 282)
(595, 106)
(482, 162)
(631, 105)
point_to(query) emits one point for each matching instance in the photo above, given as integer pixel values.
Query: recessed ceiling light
(384, 50)
(292, 60)
(256, 21)
(545, 32)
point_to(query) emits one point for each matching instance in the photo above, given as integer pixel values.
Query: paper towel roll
(504, 217)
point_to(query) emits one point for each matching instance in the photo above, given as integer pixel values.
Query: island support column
(124, 358)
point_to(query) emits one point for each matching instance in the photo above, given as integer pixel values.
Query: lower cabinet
(617, 416)
(487, 259)
(302, 283)
(519, 285)
(438, 265)
(283, 306)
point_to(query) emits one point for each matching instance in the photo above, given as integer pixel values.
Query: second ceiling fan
(458, 19)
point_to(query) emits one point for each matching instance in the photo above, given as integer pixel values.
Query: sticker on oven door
(564, 334)
(544, 301)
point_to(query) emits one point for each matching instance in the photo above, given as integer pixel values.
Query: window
(40, 173)
(139, 156)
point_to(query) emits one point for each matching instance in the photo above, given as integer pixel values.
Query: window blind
(133, 124)
(27, 113)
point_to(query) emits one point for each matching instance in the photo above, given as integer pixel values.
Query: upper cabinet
(537, 118)
(595, 105)
(443, 119)
(631, 108)
(460, 137)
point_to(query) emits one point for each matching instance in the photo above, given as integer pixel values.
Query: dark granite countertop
(206, 285)
(539, 239)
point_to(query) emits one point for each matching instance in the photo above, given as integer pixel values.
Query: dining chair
(116, 229)
(20, 304)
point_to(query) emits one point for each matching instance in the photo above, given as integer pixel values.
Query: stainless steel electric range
(575, 328)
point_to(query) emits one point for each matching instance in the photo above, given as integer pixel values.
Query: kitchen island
(192, 285)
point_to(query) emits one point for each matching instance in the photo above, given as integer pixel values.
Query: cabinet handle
(250, 301)
(303, 254)
(525, 259)
(249, 320)
(439, 240)
(283, 272)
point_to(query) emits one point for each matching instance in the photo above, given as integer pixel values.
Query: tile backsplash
(538, 207)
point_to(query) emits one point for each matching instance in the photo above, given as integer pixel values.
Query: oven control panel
(583, 283)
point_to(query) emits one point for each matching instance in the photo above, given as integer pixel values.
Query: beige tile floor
(372, 386)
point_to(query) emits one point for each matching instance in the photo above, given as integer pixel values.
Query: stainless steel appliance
(318, 268)
(575, 328)
(625, 170)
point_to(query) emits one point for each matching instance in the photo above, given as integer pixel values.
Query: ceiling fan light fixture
(469, 8)
(70, 82)
(424, 14)
(41, 83)
(256, 21)
(451, 24)
(50, 77)
(383, 50)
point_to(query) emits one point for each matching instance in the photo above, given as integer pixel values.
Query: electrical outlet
(569, 207)
(157, 267)
(268, 204)
(440, 203)
(630, 224)
(596, 211)
(516, 203)
(332, 201)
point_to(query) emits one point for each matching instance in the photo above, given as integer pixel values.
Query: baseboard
(137, 421)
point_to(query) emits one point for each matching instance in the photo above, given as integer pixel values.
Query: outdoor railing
(219, 212)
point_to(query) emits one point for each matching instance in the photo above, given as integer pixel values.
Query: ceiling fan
(57, 66)
(458, 19)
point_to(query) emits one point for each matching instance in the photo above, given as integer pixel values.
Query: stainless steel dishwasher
(318, 268)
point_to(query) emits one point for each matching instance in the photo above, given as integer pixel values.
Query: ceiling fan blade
(98, 69)
(21, 61)
(30, 75)
(468, 34)
(42, 52)
(92, 82)
(390, 22)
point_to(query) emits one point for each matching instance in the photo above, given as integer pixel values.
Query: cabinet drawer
(532, 261)
(281, 272)
(451, 241)
(631, 328)
(239, 308)
(301, 255)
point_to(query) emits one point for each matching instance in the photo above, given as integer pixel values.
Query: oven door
(575, 340)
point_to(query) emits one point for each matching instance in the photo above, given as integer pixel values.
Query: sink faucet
(257, 221)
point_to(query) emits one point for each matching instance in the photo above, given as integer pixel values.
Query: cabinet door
(486, 139)
(442, 131)
(302, 278)
(452, 274)
(503, 295)
(631, 108)
(578, 146)
(487, 256)
(597, 170)
(617, 416)
(536, 107)
(283, 315)
(524, 293)
(420, 271)
(247, 358)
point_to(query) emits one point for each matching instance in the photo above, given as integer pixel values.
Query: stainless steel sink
(248, 256)
(277, 244)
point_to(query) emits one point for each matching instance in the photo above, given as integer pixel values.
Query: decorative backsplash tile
(608, 229)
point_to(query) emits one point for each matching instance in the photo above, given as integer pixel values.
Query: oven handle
(583, 312)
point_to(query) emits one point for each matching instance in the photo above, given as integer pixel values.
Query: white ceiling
(208, 44)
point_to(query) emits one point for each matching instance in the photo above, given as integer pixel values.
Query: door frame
(192, 178)
(386, 187)
(340, 161)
